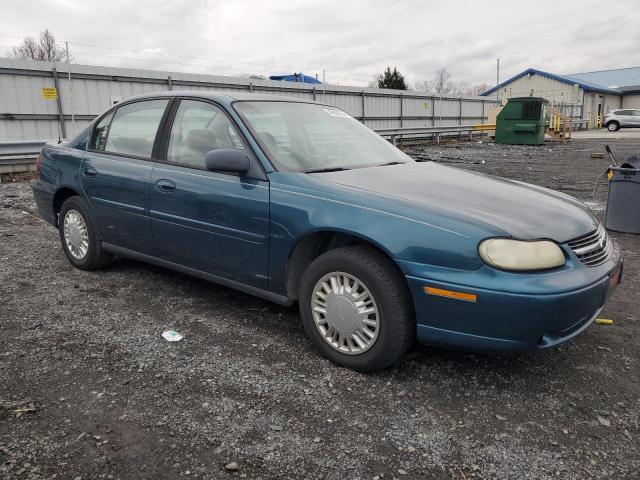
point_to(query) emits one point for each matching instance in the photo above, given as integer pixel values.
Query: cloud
(352, 40)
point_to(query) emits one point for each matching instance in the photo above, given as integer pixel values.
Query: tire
(378, 278)
(94, 257)
(613, 126)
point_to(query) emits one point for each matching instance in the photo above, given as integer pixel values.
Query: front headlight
(518, 255)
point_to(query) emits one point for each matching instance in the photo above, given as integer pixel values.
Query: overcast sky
(351, 40)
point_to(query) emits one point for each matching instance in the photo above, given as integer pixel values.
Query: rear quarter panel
(59, 168)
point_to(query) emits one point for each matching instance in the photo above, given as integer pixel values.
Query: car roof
(222, 96)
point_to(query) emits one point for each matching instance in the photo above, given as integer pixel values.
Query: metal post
(433, 111)
(251, 87)
(170, 83)
(56, 83)
(71, 98)
(460, 111)
(324, 76)
(363, 114)
(401, 113)
(314, 93)
(498, 83)
(482, 117)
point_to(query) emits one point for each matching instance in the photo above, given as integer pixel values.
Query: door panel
(214, 222)
(211, 221)
(116, 172)
(118, 190)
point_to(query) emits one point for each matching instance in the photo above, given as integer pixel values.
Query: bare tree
(44, 49)
(422, 85)
(441, 83)
(477, 89)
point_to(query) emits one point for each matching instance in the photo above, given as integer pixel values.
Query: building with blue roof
(587, 95)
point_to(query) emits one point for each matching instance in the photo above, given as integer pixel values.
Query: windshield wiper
(324, 170)
(391, 163)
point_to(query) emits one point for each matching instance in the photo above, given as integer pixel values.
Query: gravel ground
(89, 389)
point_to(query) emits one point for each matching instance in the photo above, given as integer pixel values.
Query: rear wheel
(356, 309)
(80, 237)
(613, 126)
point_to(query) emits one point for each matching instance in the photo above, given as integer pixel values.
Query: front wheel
(80, 236)
(356, 309)
(613, 126)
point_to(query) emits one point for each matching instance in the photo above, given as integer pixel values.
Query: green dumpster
(522, 121)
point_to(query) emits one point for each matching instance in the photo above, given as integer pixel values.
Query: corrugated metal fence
(26, 114)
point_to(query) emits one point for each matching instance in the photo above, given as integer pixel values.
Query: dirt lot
(89, 389)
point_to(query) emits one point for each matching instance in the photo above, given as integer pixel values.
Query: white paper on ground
(172, 336)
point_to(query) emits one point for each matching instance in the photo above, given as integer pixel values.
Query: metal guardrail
(434, 133)
(19, 155)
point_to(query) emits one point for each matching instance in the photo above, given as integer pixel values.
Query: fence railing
(19, 155)
(433, 133)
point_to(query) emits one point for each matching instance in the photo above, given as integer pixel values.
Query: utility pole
(73, 116)
(324, 76)
(498, 83)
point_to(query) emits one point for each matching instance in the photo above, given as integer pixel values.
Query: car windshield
(307, 137)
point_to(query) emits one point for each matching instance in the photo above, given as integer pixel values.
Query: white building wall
(595, 103)
(631, 100)
(539, 86)
(587, 105)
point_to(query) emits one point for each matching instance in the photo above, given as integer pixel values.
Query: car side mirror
(227, 160)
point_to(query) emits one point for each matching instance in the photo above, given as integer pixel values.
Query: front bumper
(532, 311)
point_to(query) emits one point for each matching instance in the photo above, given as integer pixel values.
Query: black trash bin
(623, 204)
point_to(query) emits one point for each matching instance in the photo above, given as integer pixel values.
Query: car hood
(519, 209)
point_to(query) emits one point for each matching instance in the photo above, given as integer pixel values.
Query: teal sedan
(296, 201)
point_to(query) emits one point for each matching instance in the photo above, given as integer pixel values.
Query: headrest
(201, 140)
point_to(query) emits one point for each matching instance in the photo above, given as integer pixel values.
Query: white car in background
(623, 118)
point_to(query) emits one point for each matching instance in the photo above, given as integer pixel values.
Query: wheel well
(312, 246)
(612, 121)
(60, 197)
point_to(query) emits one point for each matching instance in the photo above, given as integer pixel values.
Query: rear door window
(134, 127)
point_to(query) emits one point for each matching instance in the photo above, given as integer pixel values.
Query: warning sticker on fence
(49, 93)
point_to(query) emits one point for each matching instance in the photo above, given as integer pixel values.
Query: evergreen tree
(392, 79)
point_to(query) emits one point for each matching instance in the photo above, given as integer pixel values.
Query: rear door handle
(89, 172)
(163, 185)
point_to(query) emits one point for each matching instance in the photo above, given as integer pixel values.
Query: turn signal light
(467, 297)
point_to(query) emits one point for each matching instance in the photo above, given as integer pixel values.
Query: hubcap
(345, 313)
(612, 127)
(76, 236)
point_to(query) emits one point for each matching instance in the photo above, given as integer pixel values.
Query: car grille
(592, 249)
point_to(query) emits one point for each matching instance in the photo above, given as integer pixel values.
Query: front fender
(412, 234)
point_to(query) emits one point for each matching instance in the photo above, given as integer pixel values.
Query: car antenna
(613, 159)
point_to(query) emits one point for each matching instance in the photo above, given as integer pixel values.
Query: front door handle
(163, 185)
(89, 172)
